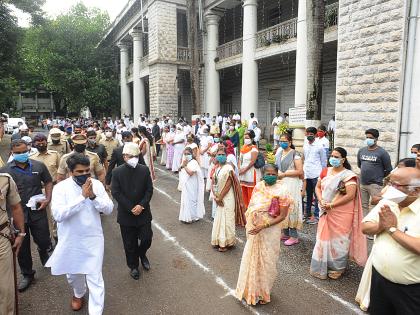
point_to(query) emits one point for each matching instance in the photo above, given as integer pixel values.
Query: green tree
(63, 53)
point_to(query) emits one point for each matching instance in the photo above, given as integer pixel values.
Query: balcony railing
(331, 15)
(278, 33)
(184, 55)
(230, 49)
(129, 70)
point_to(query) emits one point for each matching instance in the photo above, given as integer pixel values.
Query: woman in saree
(145, 148)
(339, 235)
(230, 208)
(191, 184)
(179, 146)
(290, 167)
(169, 141)
(262, 249)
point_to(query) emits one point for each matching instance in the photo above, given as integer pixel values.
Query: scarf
(247, 148)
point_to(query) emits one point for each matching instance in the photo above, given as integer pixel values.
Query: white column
(249, 95)
(125, 89)
(212, 84)
(301, 57)
(139, 98)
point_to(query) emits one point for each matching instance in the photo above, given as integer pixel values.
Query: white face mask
(108, 134)
(133, 162)
(247, 141)
(395, 195)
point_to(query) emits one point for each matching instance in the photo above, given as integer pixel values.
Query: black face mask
(310, 138)
(41, 148)
(80, 148)
(56, 141)
(81, 179)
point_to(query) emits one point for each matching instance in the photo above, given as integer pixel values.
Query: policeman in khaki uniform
(96, 168)
(9, 194)
(51, 159)
(110, 143)
(58, 142)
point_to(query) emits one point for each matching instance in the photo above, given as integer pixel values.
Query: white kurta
(192, 196)
(80, 247)
(178, 151)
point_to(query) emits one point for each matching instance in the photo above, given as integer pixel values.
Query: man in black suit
(156, 134)
(132, 188)
(117, 156)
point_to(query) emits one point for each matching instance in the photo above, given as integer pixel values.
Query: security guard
(96, 168)
(58, 142)
(51, 159)
(110, 143)
(9, 194)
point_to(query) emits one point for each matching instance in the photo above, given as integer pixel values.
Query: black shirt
(29, 181)
(100, 150)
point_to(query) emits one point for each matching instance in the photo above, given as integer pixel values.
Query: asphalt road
(189, 277)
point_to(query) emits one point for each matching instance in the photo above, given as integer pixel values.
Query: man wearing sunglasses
(395, 282)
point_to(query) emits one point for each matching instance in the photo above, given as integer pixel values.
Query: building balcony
(229, 54)
(183, 55)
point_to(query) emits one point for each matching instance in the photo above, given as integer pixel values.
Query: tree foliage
(62, 52)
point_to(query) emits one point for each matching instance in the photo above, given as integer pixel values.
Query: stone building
(253, 59)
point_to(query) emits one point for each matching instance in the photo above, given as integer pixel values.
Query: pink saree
(339, 235)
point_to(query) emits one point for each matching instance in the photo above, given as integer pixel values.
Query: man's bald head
(406, 180)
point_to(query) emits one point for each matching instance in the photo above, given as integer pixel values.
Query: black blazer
(117, 160)
(131, 187)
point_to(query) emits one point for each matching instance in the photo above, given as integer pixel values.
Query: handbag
(274, 210)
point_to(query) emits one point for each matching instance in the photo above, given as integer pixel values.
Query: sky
(56, 7)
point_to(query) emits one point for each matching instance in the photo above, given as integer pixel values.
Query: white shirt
(315, 160)
(236, 117)
(219, 119)
(81, 246)
(277, 121)
(324, 142)
(257, 132)
(331, 125)
(187, 129)
(208, 120)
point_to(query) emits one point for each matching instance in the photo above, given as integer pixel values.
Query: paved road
(189, 277)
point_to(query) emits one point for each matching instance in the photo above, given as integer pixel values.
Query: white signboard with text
(297, 116)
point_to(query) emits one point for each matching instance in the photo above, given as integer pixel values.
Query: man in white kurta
(76, 206)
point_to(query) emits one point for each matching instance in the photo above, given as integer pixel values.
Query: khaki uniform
(109, 145)
(62, 148)
(10, 194)
(51, 159)
(95, 164)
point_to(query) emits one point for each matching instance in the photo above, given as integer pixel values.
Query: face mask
(81, 179)
(21, 157)
(335, 162)
(80, 148)
(395, 195)
(369, 142)
(216, 140)
(188, 157)
(310, 138)
(231, 128)
(41, 148)
(254, 126)
(221, 159)
(172, 129)
(247, 141)
(92, 142)
(284, 145)
(270, 179)
(55, 141)
(108, 134)
(320, 134)
(133, 162)
(412, 155)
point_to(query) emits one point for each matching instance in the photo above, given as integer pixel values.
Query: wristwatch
(392, 230)
(22, 234)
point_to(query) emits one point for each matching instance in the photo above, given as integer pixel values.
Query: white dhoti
(96, 286)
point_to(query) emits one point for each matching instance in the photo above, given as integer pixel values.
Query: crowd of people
(84, 163)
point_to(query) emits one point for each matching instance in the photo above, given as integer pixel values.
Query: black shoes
(145, 262)
(134, 273)
(44, 256)
(25, 283)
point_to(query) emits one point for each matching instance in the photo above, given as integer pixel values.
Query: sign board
(297, 116)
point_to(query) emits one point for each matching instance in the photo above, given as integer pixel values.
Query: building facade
(253, 58)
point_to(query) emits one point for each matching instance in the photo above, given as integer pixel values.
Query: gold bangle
(267, 225)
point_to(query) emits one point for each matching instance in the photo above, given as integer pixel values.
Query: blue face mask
(370, 142)
(412, 155)
(221, 159)
(21, 157)
(335, 162)
(284, 145)
(216, 140)
(188, 157)
(81, 179)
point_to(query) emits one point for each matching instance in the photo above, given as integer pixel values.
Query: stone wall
(369, 72)
(163, 89)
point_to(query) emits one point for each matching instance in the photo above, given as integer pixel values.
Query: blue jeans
(290, 232)
(310, 194)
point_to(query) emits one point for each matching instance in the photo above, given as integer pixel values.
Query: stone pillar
(212, 84)
(125, 89)
(139, 97)
(249, 94)
(301, 69)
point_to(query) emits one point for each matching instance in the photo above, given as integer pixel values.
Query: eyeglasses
(395, 185)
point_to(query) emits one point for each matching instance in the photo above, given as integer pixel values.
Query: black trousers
(137, 240)
(157, 149)
(40, 232)
(389, 298)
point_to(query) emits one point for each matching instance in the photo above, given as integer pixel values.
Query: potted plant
(269, 154)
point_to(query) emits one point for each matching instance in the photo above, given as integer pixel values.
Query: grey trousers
(367, 191)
